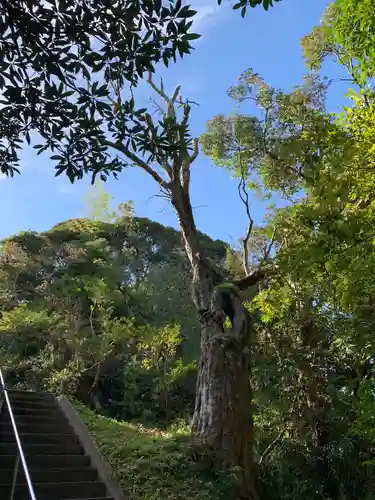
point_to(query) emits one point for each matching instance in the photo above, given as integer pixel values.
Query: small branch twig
(244, 197)
(281, 434)
(91, 321)
(268, 247)
(160, 91)
(272, 445)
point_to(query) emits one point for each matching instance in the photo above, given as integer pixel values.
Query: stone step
(57, 491)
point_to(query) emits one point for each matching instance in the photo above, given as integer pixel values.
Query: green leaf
(177, 6)
(192, 36)
(186, 12)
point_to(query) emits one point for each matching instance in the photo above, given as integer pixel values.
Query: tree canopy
(279, 334)
(67, 74)
(65, 66)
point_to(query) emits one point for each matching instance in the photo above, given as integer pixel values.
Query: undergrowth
(151, 464)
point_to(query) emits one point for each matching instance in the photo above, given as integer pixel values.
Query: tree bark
(222, 417)
(203, 275)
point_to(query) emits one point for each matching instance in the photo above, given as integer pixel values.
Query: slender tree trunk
(222, 416)
(317, 414)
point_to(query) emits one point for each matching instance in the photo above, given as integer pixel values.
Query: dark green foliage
(63, 67)
(244, 4)
(139, 396)
(103, 310)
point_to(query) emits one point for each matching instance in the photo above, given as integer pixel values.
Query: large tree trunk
(223, 401)
(222, 417)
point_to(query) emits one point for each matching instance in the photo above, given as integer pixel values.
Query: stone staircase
(58, 466)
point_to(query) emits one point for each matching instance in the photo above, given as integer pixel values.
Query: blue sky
(268, 42)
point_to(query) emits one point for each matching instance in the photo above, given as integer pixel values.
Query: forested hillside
(95, 309)
(203, 369)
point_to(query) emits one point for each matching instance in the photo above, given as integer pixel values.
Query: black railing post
(15, 474)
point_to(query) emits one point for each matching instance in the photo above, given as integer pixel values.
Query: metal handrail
(20, 455)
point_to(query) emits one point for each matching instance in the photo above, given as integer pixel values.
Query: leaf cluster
(64, 67)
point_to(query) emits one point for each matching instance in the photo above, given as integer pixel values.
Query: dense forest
(94, 308)
(263, 349)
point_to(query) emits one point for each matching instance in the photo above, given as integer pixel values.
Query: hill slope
(151, 464)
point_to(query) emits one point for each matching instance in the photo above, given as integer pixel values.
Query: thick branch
(250, 280)
(245, 245)
(138, 161)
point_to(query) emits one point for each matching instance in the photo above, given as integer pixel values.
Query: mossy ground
(153, 464)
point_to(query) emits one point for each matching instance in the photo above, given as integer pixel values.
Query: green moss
(150, 464)
(228, 287)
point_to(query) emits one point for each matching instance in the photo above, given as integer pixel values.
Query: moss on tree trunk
(223, 414)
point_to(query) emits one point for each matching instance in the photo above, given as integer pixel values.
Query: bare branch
(175, 94)
(268, 247)
(179, 162)
(166, 195)
(160, 91)
(195, 152)
(244, 196)
(158, 108)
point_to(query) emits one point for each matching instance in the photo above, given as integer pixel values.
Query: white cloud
(208, 14)
(206, 17)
